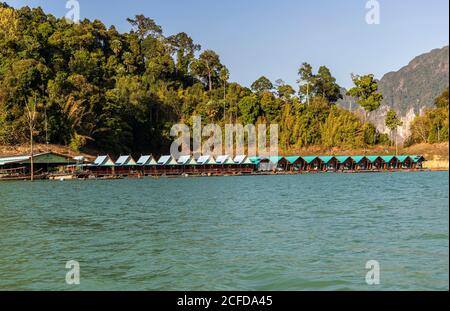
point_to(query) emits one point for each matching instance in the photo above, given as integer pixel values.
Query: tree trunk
(210, 81)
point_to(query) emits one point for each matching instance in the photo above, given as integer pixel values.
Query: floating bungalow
(295, 163)
(147, 165)
(19, 167)
(345, 163)
(102, 166)
(125, 166)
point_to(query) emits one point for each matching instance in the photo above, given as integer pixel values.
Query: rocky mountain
(411, 89)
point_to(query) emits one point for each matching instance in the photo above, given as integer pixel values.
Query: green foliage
(432, 126)
(366, 92)
(321, 84)
(249, 108)
(262, 85)
(392, 120)
(122, 92)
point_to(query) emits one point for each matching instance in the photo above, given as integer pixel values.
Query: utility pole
(31, 116)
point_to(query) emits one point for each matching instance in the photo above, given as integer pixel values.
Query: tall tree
(392, 123)
(145, 26)
(325, 85)
(305, 81)
(366, 93)
(262, 85)
(183, 46)
(207, 67)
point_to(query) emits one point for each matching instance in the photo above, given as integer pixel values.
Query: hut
(345, 163)
(226, 163)
(375, 162)
(187, 163)
(389, 162)
(244, 164)
(295, 163)
(329, 163)
(312, 163)
(279, 163)
(405, 162)
(361, 163)
(256, 161)
(147, 165)
(417, 161)
(206, 164)
(167, 165)
(125, 165)
(43, 163)
(103, 166)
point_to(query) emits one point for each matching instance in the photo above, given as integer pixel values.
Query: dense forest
(122, 92)
(432, 126)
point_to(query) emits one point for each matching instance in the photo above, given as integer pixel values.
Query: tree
(442, 100)
(145, 26)
(392, 123)
(183, 46)
(306, 79)
(250, 109)
(208, 67)
(262, 85)
(366, 93)
(325, 85)
(224, 76)
(321, 84)
(285, 91)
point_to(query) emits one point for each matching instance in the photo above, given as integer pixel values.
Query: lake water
(305, 232)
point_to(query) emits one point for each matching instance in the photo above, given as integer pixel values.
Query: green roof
(372, 158)
(292, 159)
(358, 159)
(275, 160)
(309, 159)
(417, 158)
(256, 160)
(326, 159)
(402, 158)
(343, 159)
(388, 159)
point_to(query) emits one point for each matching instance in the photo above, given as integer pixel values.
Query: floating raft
(224, 165)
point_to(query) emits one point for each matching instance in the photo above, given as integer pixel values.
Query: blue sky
(273, 37)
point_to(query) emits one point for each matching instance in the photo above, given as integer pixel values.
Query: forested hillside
(122, 92)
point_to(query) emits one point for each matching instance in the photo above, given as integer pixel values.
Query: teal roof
(326, 159)
(372, 158)
(343, 159)
(256, 160)
(388, 159)
(275, 160)
(402, 158)
(292, 159)
(309, 159)
(417, 158)
(358, 159)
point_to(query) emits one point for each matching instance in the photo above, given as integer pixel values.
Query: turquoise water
(306, 232)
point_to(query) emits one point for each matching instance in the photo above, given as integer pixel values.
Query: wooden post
(31, 116)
